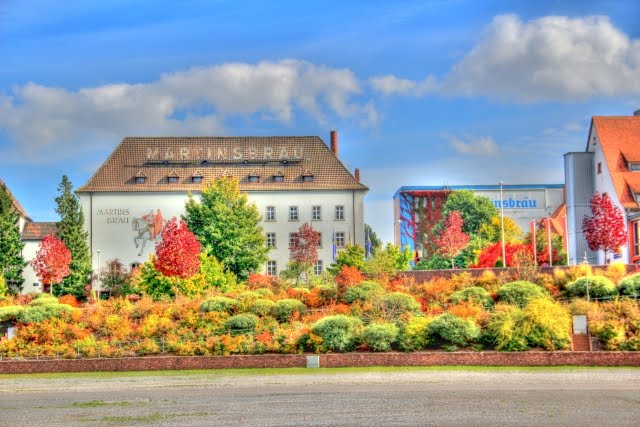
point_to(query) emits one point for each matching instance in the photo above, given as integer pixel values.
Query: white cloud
(392, 85)
(471, 145)
(550, 58)
(194, 102)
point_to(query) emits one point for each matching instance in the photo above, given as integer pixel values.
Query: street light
(504, 256)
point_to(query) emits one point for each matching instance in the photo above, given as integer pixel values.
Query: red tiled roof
(620, 141)
(16, 204)
(155, 158)
(38, 230)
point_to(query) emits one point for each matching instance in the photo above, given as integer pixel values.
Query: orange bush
(348, 276)
(70, 300)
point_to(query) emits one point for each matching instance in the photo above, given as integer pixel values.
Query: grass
(225, 373)
(152, 417)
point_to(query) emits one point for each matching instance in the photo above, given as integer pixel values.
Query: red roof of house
(16, 204)
(620, 141)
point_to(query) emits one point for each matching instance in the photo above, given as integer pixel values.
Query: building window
(599, 167)
(278, 177)
(134, 265)
(254, 177)
(636, 238)
(271, 240)
(272, 269)
(339, 213)
(634, 167)
(319, 239)
(140, 179)
(196, 179)
(270, 213)
(292, 238)
(293, 213)
(317, 268)
(173, 179)
(340, 239)
(307, 178)
(316, 213)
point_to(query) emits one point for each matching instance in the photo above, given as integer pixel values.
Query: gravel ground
(456, 397)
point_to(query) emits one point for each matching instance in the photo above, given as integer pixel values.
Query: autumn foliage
(348, 276)
(605, 228)
(303, 248)
(452, 240)
(178, 254)
(514, 253)
(51, 263)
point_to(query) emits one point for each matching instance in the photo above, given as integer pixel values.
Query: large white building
(291, 180)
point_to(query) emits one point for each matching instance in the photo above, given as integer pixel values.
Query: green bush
(4, 290)
(44, 299)
(630, 286)
(504, 330)
(262, 307)
(453, 330)
(519, 293)
(338, 333)
(328, 292)
(221, 304)
(242, 323)
(265, 292)
(10, 312)
(285, 308)
(599, 287)
(39, 313)
(380, 336)
(363, 292)
(397, 303)
(474, 293)
(414, 334)
(632, 344)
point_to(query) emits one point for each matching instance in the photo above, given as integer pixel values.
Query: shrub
(609, 332)
(69, 300)
(599, 287)
(4, 290)
(630, 286)
(348, 276)
(414, 334)
(504, 331)
(242, 323)
(44, 299)
(338, 333)
(265, 292)
(397, 303)
(262, 307)
(222, 304)
(327, 293)
(285, 308)
(10, 312)
(39, 313)
(474, 293)
(519, 293)
(380, 336)
(453, 330)
(363, 292)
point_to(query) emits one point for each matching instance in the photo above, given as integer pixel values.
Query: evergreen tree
(71, 231)
(372, 242)
(228, 227)
(11, 260)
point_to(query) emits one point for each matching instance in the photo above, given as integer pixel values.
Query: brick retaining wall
(489, 358)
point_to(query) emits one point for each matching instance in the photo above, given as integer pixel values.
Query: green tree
(476, 211)
(492, 231)
(11, 260)
(71, 231)
(372, 241)
(228, 226)
(389, 260)
(351, 256)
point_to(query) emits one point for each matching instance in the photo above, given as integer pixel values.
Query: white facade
(112, 218)
(31, 282)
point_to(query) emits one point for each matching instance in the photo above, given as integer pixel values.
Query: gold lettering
(237, 153)
(222, 153)
(283, 153)
(169, 154)
(184, 153)
(152, 153)
(253, 153)
(268, 153)
(297, 153)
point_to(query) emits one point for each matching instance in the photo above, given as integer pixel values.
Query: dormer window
(278, 177)
(307, 176)
(196, 178)
(173, 178)
(226, 174)
(140, 179)
(634, 166)
(254, 177)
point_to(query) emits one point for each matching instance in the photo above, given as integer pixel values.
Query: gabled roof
(16, 204)
(155, 157)
(619, 138)
(38, 230)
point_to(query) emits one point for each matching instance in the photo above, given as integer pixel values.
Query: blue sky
(421, 93)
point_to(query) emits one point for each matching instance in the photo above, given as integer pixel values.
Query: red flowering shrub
(178, 254)
(491, 255)
(69, 300)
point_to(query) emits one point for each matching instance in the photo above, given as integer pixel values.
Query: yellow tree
(492, 232)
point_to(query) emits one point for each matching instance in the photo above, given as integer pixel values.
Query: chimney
(334, 142)
(357, 174)
(636, 113)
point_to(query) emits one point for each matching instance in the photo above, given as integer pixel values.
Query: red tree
(51, 263)
(452, 240)
(514, 253)
(303, 248)
(605, 229)
(178, 253)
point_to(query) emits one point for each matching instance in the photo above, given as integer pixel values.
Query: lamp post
(504, 256)
(98, 290)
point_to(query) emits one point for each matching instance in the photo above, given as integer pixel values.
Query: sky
(421, 93)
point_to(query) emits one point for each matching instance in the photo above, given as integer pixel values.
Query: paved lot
(537, 397)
